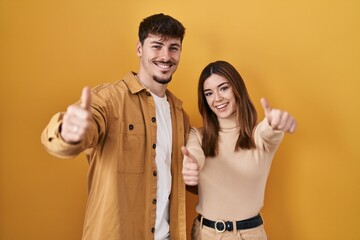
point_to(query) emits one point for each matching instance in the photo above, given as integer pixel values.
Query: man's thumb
(86, 98)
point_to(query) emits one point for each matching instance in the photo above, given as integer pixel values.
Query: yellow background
(304, 56)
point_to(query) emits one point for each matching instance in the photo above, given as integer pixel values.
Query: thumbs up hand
(76, 120)
(278, 119)
(190, 169)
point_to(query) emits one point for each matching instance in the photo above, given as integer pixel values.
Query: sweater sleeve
(194, 146)
(266, 137)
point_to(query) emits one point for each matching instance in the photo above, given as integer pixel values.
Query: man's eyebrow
(156, 42)
(161, 43)
(175, 44)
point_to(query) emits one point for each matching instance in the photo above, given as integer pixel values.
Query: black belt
(222, 226)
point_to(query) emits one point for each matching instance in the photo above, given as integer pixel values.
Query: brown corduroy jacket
(120, 148)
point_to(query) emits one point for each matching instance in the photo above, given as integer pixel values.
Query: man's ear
(138, 49)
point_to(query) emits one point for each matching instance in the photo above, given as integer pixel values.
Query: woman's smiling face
(219, 96)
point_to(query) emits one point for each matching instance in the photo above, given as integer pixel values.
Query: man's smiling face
(159, 57)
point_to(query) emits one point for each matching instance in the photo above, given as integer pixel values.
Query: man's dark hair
(161, 24)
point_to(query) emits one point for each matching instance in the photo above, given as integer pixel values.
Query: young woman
(229, 158)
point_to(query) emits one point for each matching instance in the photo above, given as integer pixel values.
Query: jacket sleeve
(53, 143)
(186, 125)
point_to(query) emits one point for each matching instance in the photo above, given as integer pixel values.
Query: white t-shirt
(163, 164)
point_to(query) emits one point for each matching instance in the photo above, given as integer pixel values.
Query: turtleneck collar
(228, 123)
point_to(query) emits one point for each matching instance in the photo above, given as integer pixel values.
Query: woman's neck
(229, 122)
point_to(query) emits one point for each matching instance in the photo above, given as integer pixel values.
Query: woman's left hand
(278, 119)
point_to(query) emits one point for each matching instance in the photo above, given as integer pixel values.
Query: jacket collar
(133, 83)
(135, 86)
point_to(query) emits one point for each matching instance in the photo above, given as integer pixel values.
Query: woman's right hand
(190, 169)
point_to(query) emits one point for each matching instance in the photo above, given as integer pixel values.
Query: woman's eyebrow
(221, 84)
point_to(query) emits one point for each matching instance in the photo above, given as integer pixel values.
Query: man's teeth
(163, 66)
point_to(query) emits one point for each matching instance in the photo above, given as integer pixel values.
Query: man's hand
(76, 120)
(190, 169)
(278, 119)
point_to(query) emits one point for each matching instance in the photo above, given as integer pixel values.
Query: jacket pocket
(132, 148)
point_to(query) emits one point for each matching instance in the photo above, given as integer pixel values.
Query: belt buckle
(223, 223)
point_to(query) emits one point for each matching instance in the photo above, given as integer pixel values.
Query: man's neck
(156, 88)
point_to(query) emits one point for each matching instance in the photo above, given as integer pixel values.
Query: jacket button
(154, 146)
(153, 119)
(153, 230)
(147, 93)
(131, 127)
(154, 173)
(154, 201)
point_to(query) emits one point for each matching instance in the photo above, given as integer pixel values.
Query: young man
(131, 131)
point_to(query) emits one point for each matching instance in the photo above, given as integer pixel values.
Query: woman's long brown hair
(246, 112)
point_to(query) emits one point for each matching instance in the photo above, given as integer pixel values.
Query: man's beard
(162, 80)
